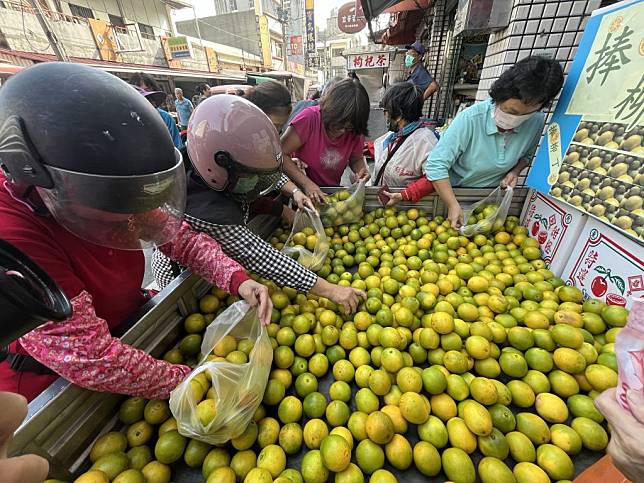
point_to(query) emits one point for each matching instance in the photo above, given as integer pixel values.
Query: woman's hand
(256, 295)
(314, 192)
(302, 201)
(510, 179)
(455, 215)
(627, 431)
(301, 165)
(394, 198)
(346, 297)
(27, 468)
(360, 175)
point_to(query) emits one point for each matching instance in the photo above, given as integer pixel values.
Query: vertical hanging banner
(310, 26)
(593, 154)
(265, 42)
(213, 60)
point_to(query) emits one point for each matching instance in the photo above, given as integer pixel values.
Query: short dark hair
(271, 97)
(201, 88)
(403, 100)
(142, 79)
(533, 80)
(346, 101)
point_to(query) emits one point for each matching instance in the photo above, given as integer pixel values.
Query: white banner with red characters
(555, 226)
(372, 60)
(606, 265)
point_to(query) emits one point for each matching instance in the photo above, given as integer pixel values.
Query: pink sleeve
(82, 350)
(204, 256)
(302, 123)
(358, 146)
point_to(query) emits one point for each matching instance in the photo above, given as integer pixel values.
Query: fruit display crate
(65, 420)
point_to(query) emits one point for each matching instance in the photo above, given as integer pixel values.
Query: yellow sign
(265, 41)
(213, 60)
(105, 39)
(309, 4)
(612, 80)
(172, 63)
(553, 135)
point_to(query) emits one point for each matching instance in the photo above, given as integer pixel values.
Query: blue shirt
(172, 128)
(420, 77)
(184, 109)
(473, 153)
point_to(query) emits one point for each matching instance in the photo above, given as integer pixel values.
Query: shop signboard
(179, 47)
(213, 60)
(349, 21)
(295, 45)
(592, 156)
(309, 6)
(606, 265)
(370, 60)
(106, 40)
(555, 225)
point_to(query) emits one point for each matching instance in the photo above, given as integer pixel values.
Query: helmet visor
(246, 183)
(122, 212)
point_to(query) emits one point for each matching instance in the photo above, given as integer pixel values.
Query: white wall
(150, 12)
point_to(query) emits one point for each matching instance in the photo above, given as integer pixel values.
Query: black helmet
(98, 153)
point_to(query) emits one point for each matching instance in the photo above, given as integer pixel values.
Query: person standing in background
(418, 74)
(151, 90)
(202, 91)
(184, 108)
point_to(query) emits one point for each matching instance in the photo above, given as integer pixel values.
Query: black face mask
(247, 184)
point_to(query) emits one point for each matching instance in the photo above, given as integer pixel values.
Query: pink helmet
(229, 137)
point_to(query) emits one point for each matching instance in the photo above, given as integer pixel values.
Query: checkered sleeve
(283, 180)
(256, 255)
(164, 269)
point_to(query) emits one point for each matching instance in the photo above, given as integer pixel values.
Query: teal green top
(473, 153)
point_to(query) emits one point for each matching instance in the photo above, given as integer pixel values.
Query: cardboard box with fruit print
(606, 265)
(555, 225)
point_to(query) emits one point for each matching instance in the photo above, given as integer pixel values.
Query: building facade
(255, 27)
(121, 37)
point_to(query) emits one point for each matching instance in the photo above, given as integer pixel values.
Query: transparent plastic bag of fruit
(237, 388)
(307, 242)
(344, 206)
(488, 215)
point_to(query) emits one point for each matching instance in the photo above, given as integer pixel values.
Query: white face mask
(509, 121)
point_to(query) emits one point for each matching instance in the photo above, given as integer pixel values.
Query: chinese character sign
(598, 164)
(310, 28)
(295, 45)
(349, 21)
(367, 61)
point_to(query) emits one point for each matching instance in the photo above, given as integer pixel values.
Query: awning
(373, 8)
(128, 68)
(407, 5)
(403, 29)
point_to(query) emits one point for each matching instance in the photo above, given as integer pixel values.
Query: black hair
(146, 81)
(403, 100)
(201, 88)
(271, 97)
(533, 80)
(346, 101)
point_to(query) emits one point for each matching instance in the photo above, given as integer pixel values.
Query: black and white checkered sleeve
(163, 270)
(283, 180)
(256, 255)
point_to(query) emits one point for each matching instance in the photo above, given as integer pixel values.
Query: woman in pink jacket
(90, 177)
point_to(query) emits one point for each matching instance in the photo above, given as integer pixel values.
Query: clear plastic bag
(344, 206)
(238, 388)
(488, 215)
(307, 242)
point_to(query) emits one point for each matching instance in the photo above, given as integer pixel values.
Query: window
(147, 32)
(118, 24)
(336, 52)
(78, 11)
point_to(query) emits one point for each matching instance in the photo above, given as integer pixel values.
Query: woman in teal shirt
(491, 142)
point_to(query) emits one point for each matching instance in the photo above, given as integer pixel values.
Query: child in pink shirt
(327, 138)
